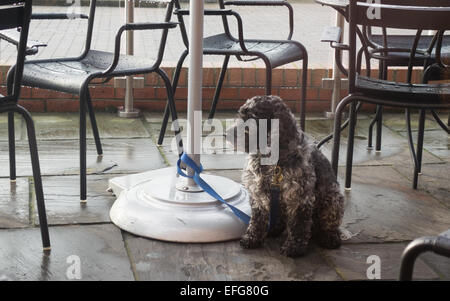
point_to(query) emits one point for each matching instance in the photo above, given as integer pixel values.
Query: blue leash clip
(208, 189)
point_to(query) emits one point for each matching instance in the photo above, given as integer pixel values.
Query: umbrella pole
(194, 135)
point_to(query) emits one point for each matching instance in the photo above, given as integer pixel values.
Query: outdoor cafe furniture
(15, 14)
(437, 244)
(274, 53)
(392, 50)
(73, 75)
(382, 92)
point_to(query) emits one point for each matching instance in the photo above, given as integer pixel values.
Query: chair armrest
(222, 12)
(13, 36)
(134, 26)
(57, 16)
(332, 35)
(268, 3)
(207, 12)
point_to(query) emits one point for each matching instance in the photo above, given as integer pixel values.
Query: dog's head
(272, 119)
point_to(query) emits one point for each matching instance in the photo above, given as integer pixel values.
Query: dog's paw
(291, 249)
(329, 240)
(250, 242)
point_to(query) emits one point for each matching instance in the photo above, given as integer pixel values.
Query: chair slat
(11, 17)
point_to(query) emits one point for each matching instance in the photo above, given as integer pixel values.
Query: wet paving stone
(356, 262)
(383, 207)
(98, 248)
(394, 148)
(61, 157)
(397, 122)
(439, 264)
(19, 128)
(66, 126)
(155, 260)
(62, 199)
(434, 180)
(14, 203)
(437, 142)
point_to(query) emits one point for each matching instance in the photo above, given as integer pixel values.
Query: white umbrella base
(154, 205)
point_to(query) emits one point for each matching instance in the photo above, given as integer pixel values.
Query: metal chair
(437, 244)
(394, 51)
(382, 92)
(274, 53)
(15, 14)
(73, 75)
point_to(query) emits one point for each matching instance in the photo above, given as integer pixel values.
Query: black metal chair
(386, 93)
(437, 244)
(394, 51)
(73, 75)
(274, 53)
(15, 14)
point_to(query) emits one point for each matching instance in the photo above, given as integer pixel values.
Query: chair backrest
(16, 14)
(414, 14)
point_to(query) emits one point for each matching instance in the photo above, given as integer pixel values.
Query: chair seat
(406, 41)
(414, 93)
(277, 52)
(70, 75)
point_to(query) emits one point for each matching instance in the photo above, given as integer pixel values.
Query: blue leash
(208, 189)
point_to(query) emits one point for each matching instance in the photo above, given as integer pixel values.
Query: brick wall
(240, 84)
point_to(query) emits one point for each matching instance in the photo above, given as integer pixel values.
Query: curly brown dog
(310, 203)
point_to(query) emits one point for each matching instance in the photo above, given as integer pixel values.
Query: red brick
(260, 77)
(312, 93)
(249, 77)
(246, 93)
(152, 79)
(290, 94)
(316, 77)
(62, 105)
(181, 93)
(277, 77)
(144, 93)
(101, 92)
(229, 93)
(33, 105)
(49, 94)
(291, 78)
(234, 77)
(325, 94)
(209, 77)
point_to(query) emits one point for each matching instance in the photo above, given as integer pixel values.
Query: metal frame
(437, 244)
(224, 13)
(356, 94)
(18, 16)
(107, 74)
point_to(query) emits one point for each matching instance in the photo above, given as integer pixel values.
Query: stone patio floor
(383, 213)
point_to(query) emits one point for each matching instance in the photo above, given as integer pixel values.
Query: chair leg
(383, 75)
(83, 169)
(337, 131)
(379, 128)
(37, 178)
(219, 87)
(410, 140)
(173, 111)
(268, 79)
(303, 100)
(350, 146)
(176, 78)
(12, 147)
(90, 109)
(419, 149)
